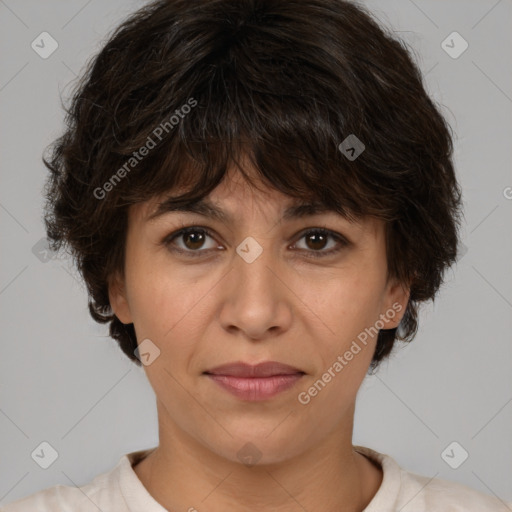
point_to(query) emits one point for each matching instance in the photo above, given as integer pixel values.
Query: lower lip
(256, 388)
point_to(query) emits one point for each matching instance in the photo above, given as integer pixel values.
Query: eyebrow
(206, 208)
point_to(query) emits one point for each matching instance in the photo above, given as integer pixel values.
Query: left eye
(193, 240)
(316, 241)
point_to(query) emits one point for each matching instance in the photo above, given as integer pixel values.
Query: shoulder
(53, 499)
(102, 493)
(419, 492)
(409, 492)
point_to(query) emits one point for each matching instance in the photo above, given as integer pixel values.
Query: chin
(253, 446)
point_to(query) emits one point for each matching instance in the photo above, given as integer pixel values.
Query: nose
(256, 300)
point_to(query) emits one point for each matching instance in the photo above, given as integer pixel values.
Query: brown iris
(196, 239)
(318, 240)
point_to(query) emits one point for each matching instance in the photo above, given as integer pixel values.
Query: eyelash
(168, 240)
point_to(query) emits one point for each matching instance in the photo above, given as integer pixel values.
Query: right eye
(192, 238)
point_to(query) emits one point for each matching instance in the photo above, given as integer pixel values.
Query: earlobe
(118, 300)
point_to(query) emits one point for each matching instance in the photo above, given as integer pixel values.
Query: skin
(284, 306)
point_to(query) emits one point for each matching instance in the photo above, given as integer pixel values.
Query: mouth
(255, 382)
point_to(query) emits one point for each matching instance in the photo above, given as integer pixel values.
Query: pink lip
(255, 382)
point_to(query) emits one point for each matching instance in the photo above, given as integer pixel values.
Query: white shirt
(120, 490)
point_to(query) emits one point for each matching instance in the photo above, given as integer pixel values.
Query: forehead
(235, 201)
(235, 196)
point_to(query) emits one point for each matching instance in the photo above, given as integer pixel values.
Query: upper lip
(264, 369)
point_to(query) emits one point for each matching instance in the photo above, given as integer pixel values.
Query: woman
(259, 194)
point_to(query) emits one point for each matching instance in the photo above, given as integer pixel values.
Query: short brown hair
(282, 81)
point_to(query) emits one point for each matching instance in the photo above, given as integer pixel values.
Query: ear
(395, 303)
(118, 299)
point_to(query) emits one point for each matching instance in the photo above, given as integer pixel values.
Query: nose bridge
(255, 302)
(253, 265)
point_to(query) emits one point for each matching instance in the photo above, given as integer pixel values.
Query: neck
(184, 474)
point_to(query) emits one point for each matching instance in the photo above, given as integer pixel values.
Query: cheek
(344, 342)
(347, 301)
(168, 303)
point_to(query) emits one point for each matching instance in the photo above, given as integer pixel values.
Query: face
(256, 287)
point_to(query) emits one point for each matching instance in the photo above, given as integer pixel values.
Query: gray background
(64, 381)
